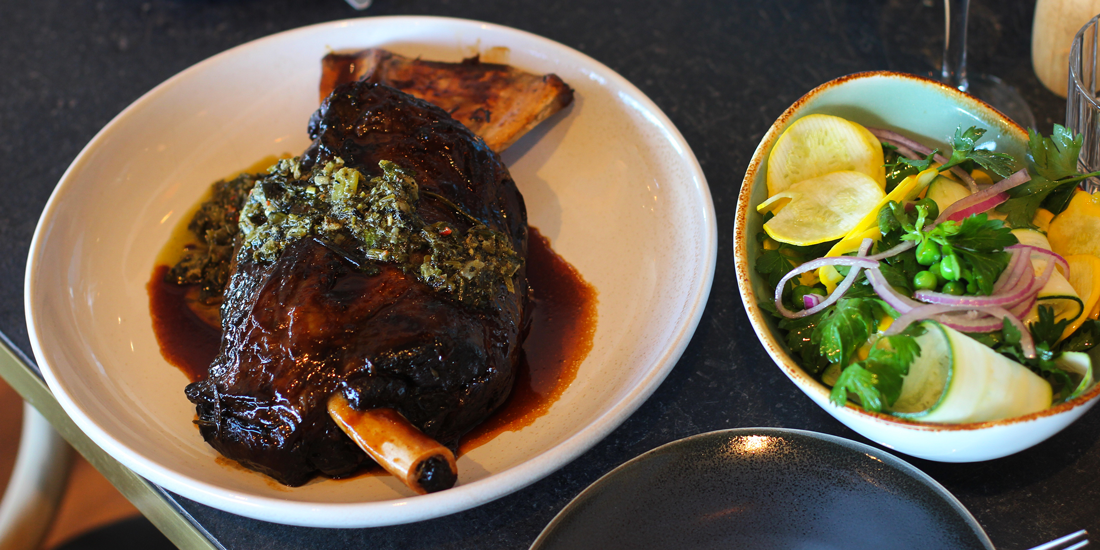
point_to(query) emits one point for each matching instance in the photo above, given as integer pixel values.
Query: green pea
(932, 209)
(935, 270)
(950, 268)
(928, 253)
(954, 288)
(925, 280)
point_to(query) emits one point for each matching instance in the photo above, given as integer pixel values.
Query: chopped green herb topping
(215, 224)
(380, 218)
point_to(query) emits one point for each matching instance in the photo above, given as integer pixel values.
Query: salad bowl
(928, 112)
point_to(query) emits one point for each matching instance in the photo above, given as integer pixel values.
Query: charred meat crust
(316, 321)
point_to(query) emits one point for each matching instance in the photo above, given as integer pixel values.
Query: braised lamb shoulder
(384, 267)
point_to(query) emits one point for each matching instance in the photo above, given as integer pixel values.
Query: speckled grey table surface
(721, 70)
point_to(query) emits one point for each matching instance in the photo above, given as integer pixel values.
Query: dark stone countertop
(722, 71)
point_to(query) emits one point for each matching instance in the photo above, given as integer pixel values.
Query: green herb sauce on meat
(378, 218)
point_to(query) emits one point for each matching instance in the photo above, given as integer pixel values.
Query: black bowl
(764, 488)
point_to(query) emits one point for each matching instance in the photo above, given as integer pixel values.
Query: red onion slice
(1011, 296)
(893, 251)
(904, 151)
(983, 200)
(922, 311)
(968, 206)
(991, 318)
(1023, 308)
(898, 301)
(896, 139)
(812, 300)
(1021, 260)
(970, 321)
(854, 262)
(1058, 259)
(1027, 343)
(1039, 282)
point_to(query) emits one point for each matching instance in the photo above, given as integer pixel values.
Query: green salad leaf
(976, 245)
(877, 380)
(963, 149)
(1052, 164)
(847, 327)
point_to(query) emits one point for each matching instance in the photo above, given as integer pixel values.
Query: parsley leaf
(860, 381)
(877, 380)
(847, 327)
(1052, 164)
(1055, 157)
(1084, 338)
(1046, 330)
(980, 244)
(963, 149)
(800, 339)
(898, 167)
(773, 265)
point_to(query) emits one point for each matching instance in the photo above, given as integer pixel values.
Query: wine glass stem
(954, 48)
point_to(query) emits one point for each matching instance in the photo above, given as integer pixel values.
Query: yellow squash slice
(1084, 276)
(1077, 229)
(816, 145)
(821, 209)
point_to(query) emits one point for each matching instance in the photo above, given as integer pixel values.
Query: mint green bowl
(928, 112)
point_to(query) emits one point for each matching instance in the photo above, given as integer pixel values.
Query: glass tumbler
(1082, 105)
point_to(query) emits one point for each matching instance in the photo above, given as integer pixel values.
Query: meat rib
(498, 102)
(322, 320)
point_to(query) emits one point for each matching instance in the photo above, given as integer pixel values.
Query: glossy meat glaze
(322, 318)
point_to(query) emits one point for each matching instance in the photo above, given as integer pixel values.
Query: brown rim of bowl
(776, 349)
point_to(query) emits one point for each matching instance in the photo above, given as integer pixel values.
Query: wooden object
(1056, 22)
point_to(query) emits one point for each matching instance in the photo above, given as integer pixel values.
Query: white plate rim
(409, 509)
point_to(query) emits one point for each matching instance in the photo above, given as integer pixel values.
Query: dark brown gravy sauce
(563, 325)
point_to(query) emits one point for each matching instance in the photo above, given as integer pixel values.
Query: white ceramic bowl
(604, 180)
(929, 112)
